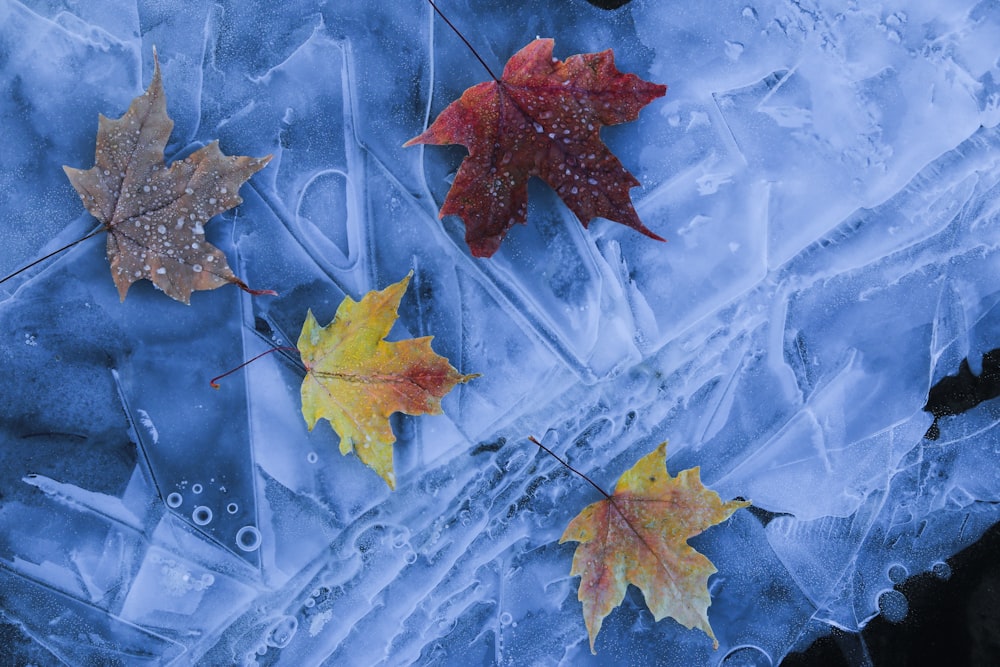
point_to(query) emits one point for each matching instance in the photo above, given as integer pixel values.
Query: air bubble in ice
(892, 605)
(174, 500)
(897, 574)
(400, 538)
(941, 570)
(232, 508)
(410, 557)
(201, 515)
(196, 488)
(280, 633)
(248, 538)
(312, 457)
(506, 618)
(746, 656)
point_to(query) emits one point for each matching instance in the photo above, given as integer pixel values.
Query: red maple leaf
(542, 118)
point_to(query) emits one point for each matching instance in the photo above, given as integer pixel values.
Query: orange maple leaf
(542, 118)
(639, 535)
(155, 216)
(356, 379)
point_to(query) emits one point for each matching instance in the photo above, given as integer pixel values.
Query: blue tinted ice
(827, 177)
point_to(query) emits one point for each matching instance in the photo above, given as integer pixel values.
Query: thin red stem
(553, 455)
(255, 292)
(462, 37)
(52, 254)
(261, 292)
(214, 381)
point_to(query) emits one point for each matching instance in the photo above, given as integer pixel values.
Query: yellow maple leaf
(639, 535)
(356, 379)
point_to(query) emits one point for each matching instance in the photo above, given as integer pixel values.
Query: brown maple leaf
(356, 380)
(155, 216)
(541, 118)
(639, 535)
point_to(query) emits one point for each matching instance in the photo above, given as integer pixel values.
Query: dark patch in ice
(764, 516)
(261, 326)
(609, 4)
(955, 394)
(493, 446)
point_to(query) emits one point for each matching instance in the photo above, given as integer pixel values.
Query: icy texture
(827, 177)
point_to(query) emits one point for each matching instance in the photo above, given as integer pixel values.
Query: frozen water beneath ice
(826, 174)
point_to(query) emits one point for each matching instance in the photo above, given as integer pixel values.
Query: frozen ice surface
(826, 174)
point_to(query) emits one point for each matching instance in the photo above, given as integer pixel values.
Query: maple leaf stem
(556, 457)
(253, 292)
(52, 254)
(214, 381)
(462, 37)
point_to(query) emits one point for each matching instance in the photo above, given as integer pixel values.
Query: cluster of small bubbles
(897, 574)
(314, 596)
(248, 538)
(196, 488)
(178, 580)
(941, 570)
(312, 457)
(202, 515)
(232, 508)
(174, 500)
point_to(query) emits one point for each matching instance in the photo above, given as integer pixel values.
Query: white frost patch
(788, 116)
(319, 621)
(150, 426)
(100, 503)
(693, 225)
(698, 118)
(709, 183)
